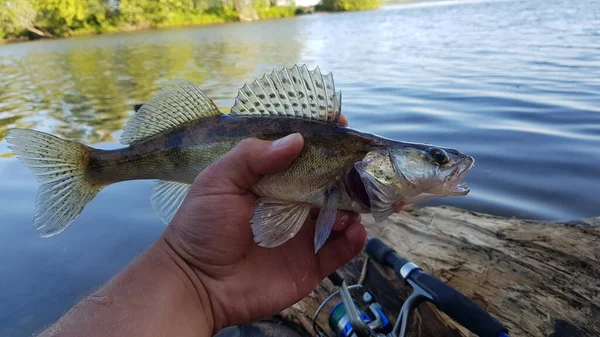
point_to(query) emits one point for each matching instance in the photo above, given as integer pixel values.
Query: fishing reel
(370, 314)
(363, 316)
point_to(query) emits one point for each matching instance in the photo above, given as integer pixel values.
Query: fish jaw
(454, 181)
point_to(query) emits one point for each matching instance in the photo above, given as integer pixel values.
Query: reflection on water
(85, 89)
(513, 83)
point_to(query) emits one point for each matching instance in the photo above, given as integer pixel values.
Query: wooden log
(539, 278)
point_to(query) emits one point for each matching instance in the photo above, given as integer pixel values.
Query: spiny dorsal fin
(292, 92)
(174, 105)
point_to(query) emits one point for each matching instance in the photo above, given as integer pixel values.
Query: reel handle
(446, 298)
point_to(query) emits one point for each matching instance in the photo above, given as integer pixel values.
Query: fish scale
(180, 131)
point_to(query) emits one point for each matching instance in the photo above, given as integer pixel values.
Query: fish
(180, 131)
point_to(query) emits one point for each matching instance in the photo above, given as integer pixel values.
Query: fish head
(403, 175)
(432, 169)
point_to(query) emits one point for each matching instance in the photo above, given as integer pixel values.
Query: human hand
(238, 281)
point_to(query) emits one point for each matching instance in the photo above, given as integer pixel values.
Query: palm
(211, 232)
(235, 267)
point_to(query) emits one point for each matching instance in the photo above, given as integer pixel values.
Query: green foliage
(36, 18)
(274, 12)
(60, 17)
(47, 18)
(348, 5)
(15, 17)
(134, 12)
(267, 10)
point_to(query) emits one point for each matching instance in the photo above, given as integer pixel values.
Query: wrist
(155, 295)
(184, 281)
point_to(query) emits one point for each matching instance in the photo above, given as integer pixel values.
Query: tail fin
(59, 166)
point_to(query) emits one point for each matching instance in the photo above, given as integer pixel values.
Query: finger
(242, 166)
(343, 120)
(341, 248)
(343, 219)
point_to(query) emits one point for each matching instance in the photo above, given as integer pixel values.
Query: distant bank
(24, 20)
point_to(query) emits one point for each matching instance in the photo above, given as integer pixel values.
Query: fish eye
(439, 156)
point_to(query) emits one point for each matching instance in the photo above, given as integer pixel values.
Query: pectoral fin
(326, 217)
(274, 222)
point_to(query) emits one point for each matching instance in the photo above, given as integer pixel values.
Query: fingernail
(347, 219)
(285, 141)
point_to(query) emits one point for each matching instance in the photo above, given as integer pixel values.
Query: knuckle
(207, 184)
(247, 142)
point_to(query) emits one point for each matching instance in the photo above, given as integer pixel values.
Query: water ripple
(513, 83)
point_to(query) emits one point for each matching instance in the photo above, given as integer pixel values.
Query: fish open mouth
(461, 189)
(454, 184)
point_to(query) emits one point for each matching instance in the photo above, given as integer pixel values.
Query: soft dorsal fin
(174, 105)
(291, 92)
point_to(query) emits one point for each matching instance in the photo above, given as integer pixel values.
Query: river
(515, 84)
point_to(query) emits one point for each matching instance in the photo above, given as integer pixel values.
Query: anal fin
(274, 222)
(166, 198)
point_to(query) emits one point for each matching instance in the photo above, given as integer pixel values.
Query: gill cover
(381, 183)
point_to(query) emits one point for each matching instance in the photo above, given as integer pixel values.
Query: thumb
(242, 166)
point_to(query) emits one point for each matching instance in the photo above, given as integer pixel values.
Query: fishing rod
(348, 319)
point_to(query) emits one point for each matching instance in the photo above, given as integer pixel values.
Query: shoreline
(147, 27)
(279, 12)
(125, 30)
(278, 15)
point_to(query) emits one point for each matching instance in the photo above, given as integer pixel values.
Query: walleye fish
(180, 131)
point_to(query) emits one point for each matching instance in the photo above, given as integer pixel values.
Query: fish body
(180, 132)
(179, 155)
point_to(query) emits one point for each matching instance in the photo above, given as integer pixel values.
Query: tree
(60, 16)
(17, 16)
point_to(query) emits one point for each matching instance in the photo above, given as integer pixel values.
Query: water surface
(516, 84)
